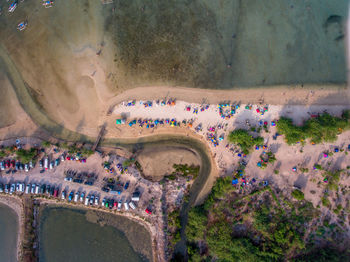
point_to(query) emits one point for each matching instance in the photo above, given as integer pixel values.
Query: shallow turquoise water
(66, 235)
(8, 235)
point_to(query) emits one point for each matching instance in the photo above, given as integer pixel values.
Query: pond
(69, 235)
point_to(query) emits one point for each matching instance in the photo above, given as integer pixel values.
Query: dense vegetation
(184, 170)
(245, 141)
(323, 128)
(26, 156)
(259, 226)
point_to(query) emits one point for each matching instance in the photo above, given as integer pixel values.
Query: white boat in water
(13, 6)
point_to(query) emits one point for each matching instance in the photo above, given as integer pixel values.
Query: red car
(68, 157)
(115, 205)
(55, 193)
(7, 164)
(13, 163)
(148, 211)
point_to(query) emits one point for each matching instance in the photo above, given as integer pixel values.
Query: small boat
(13, 6)
(47, 4)
(22, 25)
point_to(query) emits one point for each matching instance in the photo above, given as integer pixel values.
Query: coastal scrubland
(262, 225)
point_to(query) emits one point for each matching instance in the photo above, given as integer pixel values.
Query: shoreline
(316, 94)
(16, 204)
(150, 228)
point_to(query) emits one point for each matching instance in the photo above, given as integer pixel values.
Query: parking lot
(83, 182)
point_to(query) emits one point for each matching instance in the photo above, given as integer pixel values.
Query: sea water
(228, 43)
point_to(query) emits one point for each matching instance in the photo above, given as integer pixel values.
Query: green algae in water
(66, 235)
(228, 43)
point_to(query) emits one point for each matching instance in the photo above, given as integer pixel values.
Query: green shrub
(325, 202)
(45, 144)
(297, 194)
(245, 141)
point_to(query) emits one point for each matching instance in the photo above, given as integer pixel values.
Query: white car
(119, 205)
(62, 158)
(2, 165)
(86, 200)
(51, 164)
(31, 164)
(126, 205)
(132, 205)
(96, 201)
(63, 195)
(28, 189)
(103, 202)
(26, 167)
(37, 188)
(76, 196)
(68, 179)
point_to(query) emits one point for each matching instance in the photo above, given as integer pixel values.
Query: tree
(245, 141)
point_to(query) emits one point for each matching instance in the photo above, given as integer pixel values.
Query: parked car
(119, 205)
(31, 164)
(12, 189)
(63, 195)
(55, 192)
(2, 165)
(76, 197)
(27, 191)
(47, 189)
(92, 198)
(96, 200)
(132, 205)
(68, 179)
(51, 164)
(37, 188)
(26, 167)
(7, 187)
(82, 195)
(86, 200)
(43, 189)
(70, 197)
(103, 202)
(1, 188)
(32, 190)
(126, 206)
(126, 185)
